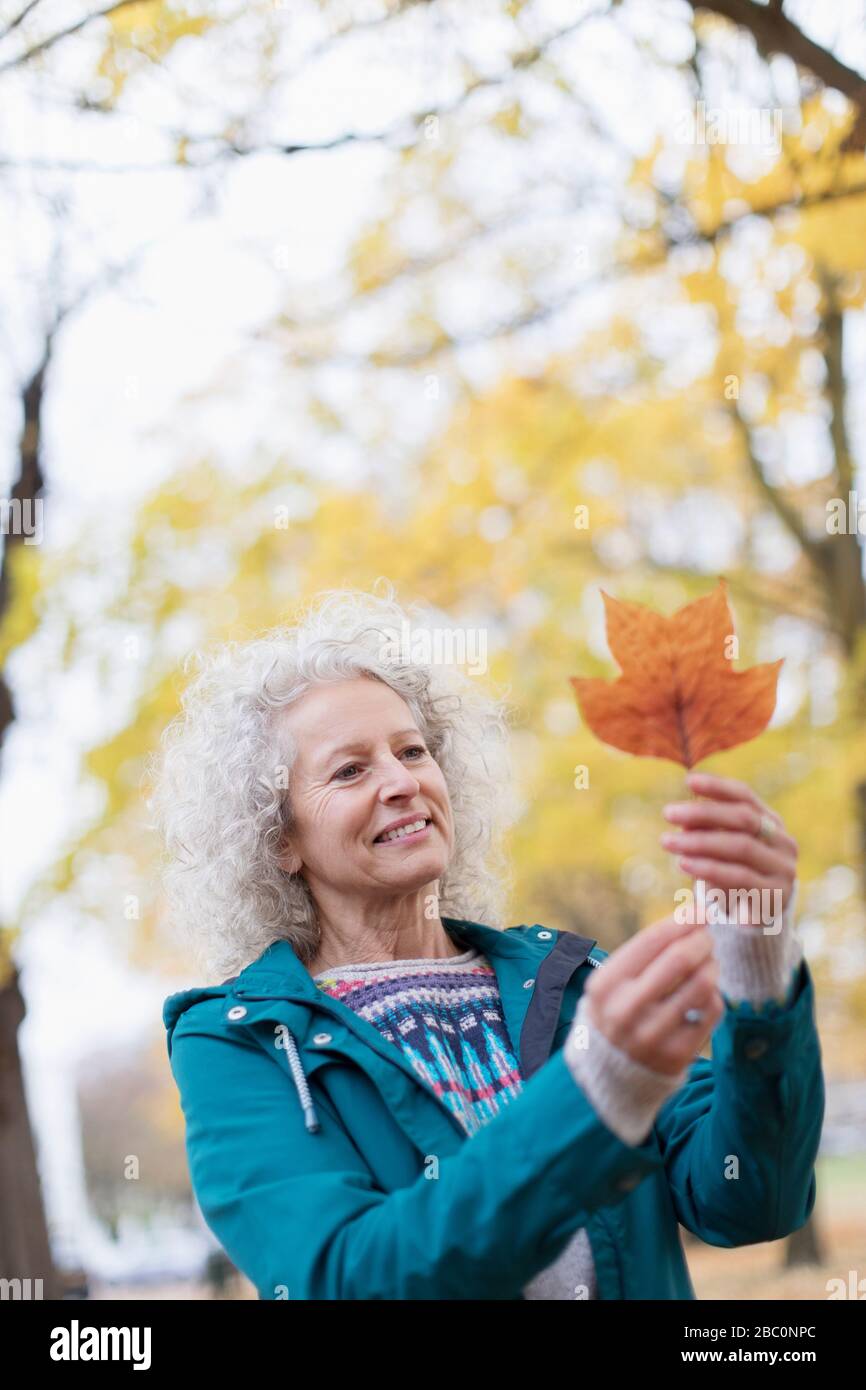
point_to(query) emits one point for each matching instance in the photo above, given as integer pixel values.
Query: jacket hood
(278, 972)
(177, 1004)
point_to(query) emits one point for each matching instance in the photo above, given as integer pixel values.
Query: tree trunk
(804, 1247)
(25, 1252)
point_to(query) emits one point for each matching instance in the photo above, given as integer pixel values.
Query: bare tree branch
(841, 554)
(779, 598)
(539, 312)
(19, 18)
(325, 45)
(787, 514)
(403, 132)
(774, 32)
(836, 388)
(408, 126)
(52, 39)
(837, 559)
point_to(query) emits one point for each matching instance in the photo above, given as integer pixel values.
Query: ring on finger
(766, 829)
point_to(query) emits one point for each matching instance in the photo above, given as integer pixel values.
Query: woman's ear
(288, 859)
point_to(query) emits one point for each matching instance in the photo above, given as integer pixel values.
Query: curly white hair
(221, 782)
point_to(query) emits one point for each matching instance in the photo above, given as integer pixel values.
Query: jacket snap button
(527, 984)
(322, 1038)
(237, 1012)
(755, 1048)
(545, 935)
(627, 1182)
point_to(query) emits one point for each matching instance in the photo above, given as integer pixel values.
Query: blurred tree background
(583, 334)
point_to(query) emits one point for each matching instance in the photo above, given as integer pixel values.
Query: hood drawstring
(311, 1119)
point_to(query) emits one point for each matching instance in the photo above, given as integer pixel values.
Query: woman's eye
(415, 748)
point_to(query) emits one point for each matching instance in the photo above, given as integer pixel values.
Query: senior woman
(394, 1095)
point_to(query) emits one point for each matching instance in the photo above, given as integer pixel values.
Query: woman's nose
(399, 780)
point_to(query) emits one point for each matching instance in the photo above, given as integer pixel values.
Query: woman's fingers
(688, 816)
(726, 789)
(699, 991)
(676, 965)
(630, 959)
(656, 1033)
(730, 845)
(620, 1002)
(724, 873)
(717, 838)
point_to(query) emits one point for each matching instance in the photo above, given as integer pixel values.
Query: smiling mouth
(402, 839)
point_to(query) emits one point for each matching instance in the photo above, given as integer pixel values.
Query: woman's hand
(719, 840)
(638, 996)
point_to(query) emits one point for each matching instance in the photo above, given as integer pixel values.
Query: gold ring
(766, 829)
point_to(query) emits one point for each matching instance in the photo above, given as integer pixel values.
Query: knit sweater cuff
(756, 964)
(625, 1094)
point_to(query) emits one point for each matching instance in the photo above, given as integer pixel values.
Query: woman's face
(362, 764)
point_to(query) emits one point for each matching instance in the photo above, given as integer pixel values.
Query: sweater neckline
(363, 966)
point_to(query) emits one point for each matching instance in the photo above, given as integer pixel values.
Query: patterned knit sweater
(446, 1015)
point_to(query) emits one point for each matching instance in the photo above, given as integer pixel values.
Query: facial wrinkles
(337, 813)
(321, 792)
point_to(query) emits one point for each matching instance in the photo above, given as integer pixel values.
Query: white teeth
(403, 831)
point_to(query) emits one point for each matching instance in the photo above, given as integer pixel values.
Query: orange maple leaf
(678, 696)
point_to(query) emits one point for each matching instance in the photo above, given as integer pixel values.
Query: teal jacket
(328, 1169)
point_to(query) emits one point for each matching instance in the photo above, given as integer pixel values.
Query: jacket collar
(279, 969)
(533, 967)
